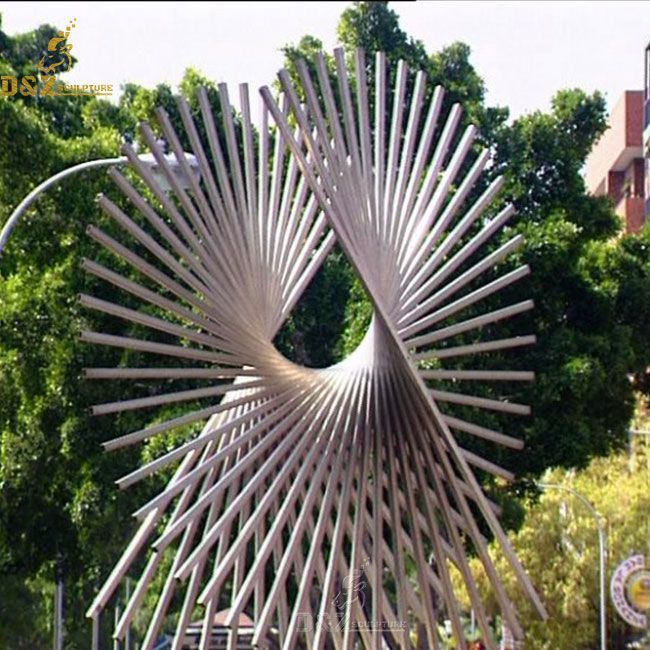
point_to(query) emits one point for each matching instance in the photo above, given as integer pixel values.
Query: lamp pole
(148, 159)
(21, 208)
(602, 549)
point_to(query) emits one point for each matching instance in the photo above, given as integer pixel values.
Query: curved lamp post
(147, 158)
(601, 543)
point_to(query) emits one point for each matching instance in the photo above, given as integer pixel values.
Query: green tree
(558, 546)
(56, 492)
(58, 502)
(590, 288)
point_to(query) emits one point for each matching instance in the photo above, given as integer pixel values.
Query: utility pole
(58, 605)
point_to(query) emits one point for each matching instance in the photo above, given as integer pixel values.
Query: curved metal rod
(53, 180)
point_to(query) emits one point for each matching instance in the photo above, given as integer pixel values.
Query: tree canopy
(558, 546)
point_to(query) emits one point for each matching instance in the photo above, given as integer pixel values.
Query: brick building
(616, 165)
(619, 164)
(646, 127)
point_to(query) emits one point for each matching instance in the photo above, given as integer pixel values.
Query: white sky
(525, 51)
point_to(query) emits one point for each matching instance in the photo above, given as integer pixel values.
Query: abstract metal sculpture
(310, 489)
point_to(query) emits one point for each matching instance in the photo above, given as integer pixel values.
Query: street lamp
(601, 543)
(148, 158)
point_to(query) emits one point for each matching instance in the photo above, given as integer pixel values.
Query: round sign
(624, 577)
(638, 589)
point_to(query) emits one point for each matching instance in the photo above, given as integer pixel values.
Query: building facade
(646, 127)
(616, 166)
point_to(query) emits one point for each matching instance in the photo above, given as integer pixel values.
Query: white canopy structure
(328, 504)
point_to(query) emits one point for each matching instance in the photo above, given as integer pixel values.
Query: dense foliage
(57, 499)
(558, 546)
